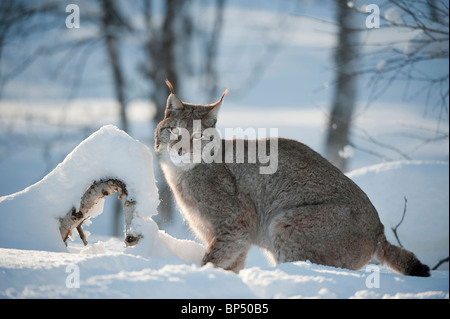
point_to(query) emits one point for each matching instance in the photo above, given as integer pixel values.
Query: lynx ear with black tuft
(173, 102)
(223, 95)
(210, 118)
(170, 86)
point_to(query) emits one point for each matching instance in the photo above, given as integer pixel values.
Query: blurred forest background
(66, 70)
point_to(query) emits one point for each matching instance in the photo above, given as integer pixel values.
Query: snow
(34, 262)
(425, 185)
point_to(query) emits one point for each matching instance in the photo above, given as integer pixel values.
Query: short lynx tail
(400, 259)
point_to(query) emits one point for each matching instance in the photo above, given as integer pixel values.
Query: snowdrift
(31, 217)
(35, 263)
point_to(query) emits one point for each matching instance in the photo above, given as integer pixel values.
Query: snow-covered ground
(34, 263)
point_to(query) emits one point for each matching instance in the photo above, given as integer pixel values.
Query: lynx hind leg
(400, 259)
(322, 234)
(228, 255)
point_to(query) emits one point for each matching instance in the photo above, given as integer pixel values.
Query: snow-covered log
(42, 216)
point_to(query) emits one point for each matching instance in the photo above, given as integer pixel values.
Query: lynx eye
(197, 135)
(174, 131)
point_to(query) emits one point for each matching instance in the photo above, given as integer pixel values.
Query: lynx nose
(180, 151)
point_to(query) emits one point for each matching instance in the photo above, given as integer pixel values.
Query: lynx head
(186, 131)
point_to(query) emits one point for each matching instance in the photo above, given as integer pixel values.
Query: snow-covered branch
(98, 190)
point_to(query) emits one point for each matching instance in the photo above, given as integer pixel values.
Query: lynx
(306, 209)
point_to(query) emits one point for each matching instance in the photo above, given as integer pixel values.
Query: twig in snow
(394, 229)
(445, 260)
(81, 233)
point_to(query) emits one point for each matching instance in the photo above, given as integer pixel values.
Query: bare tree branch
(385, 62)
